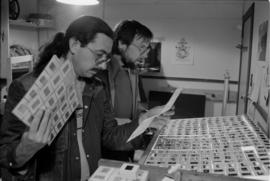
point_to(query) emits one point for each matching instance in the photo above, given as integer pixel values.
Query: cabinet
(18, 32)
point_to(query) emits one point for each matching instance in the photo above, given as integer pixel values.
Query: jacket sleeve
(114, 137)
(11, 129)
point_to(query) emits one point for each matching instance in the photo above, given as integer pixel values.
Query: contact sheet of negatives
(53, 90)
(232, 146)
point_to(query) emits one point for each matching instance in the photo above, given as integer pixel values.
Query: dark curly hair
(126, 31)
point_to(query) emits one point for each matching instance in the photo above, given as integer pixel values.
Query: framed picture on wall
(152, 62)
(184, 52)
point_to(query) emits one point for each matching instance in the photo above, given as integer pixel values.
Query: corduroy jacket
(60, 161)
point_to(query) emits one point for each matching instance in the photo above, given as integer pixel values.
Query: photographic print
(152, 62)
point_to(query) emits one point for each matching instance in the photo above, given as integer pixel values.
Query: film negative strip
(231, 145)
(54, 89)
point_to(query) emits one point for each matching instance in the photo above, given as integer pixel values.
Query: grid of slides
(54, 90)
(231, 145)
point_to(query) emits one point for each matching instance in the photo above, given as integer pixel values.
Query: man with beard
(130, 46)
(74, 153)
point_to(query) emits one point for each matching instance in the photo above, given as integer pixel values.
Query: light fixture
(79, 2)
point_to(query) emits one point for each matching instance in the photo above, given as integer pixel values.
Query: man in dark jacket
(130, 46)
(74, 154)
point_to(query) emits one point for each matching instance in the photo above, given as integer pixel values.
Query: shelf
(21, 63)
(21, 59)
(23, 24)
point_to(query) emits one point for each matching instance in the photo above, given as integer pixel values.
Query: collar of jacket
(92, 86)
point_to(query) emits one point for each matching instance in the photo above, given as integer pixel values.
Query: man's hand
(169, 113)
(159, 121)
(155, 111)
(152, 112)
(35, 138)
(39, 128)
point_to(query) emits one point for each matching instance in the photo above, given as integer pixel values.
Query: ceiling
(174, 1)
(162, 2)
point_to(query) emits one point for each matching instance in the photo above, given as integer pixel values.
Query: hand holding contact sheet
(54, 89)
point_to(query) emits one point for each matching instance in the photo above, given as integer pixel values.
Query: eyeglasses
(100, 57)
(141, 50)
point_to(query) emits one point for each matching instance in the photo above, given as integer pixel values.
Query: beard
(129, 64)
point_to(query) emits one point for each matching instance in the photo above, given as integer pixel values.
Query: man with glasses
(101, 57)
(74, 153)
(130, 46)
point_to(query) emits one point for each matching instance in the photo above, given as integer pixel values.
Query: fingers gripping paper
(145, 123)
(53, 89)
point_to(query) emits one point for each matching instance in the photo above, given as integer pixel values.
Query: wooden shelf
(23, 24)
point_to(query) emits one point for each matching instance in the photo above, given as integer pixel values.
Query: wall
(261, 14)
(27, 37)
(213, 28)
(64, 14)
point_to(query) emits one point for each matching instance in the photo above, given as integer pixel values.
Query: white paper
(170, 103)
(145, 123)
(141, 128)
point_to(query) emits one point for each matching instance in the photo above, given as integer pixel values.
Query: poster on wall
(184, 52)
(152, 62)
(262, 41)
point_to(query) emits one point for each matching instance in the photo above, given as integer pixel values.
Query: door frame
(247, 15)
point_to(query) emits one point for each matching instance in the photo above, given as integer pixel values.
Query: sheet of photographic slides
(53, 90)
(231, 145)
